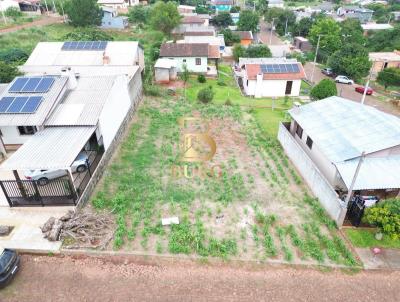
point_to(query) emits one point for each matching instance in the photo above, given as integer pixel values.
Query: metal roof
(35, 119)
(83, 105)
(343, 129)
(375, 173)
(165, 63)
(51, 148)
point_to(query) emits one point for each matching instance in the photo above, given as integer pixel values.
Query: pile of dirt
(81, 229)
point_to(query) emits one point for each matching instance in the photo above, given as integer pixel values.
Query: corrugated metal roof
(37, 118)
(375, 173)
(52, 148)
(83, 105)
(3, 88)
(165, 63)
(343, 129)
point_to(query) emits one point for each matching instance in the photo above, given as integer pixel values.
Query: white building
(165, 70)
(6, 4)
(276, 3)
(118, 4)
(266, 77)
(195, 56)
(218, 41)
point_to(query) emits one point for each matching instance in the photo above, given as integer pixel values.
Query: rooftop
(376, 26)
(165, 63)
(343, 129)
(191, 20)
(244, 35)
(384, 56)
(253, 70)
(188, 50)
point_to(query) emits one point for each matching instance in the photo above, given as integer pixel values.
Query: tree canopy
(248, 20)
(223, 19)
(283, 19)
(352, 60)
(352, 32)
(165, 17)
(8, 72)
(384, 40)
(389, 77)
(230, 37)
(139, 14)
(325, 88)
(88, 34)
(83, 12)
(253, 51)
(330, 33)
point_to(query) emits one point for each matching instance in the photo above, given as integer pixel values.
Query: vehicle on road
(9, 265)
(360, 89)
(327, 71)
(344, 80)
(43, 176)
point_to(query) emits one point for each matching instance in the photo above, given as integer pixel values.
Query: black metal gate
(57, 192)
(355, 210)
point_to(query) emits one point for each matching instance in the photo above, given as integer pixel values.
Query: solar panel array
(85, 45)
(20, 104)
(280, 68)
(32, 85)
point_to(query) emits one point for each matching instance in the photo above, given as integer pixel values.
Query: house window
(184, 60)
(198, 61)
(309, 142)
(26, 130)
(247, 83)
(299, 131)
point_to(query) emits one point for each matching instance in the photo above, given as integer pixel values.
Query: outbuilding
(165, 70)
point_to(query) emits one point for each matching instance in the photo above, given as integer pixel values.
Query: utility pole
(286, 25)
(62, 10)
(315, 59)
(350, 192)
(47, 8)
(4, 17)
(272, 28)
(366, 88)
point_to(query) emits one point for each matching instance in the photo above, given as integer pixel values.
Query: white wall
(114, 111)
(190, 64)
(271, 88)
(11, 136)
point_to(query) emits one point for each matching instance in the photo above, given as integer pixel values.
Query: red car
(360, 89)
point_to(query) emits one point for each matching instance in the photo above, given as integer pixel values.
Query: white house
(266, 77)
(276, 3)
(118, 4)
(6, 4)
(186, 9)
(218, 41)
(195, 56)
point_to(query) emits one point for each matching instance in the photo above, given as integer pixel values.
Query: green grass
(269, 120)
(366, 239)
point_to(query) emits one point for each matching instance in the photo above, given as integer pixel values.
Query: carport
(54, 148)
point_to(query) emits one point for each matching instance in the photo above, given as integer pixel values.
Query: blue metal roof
(343, 129)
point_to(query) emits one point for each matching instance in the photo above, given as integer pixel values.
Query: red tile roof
(189, 50)
(213, 52)
(244, 35)
(253, 69)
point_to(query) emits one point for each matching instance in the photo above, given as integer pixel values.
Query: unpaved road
(93, 279)
(41, 22)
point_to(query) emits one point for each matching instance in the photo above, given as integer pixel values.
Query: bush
(83, 12)
(13, 12)
(323, 89)
(205, 95)
(221, 82)
(13, 55)
(389, 77)
(8, 72)
(88, 34)
(386, 216)
(228, 102)
(152, 90)
(201, 78)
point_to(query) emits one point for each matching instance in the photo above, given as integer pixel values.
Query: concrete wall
(161, 75)
(110, 21)
(313, 177)
(98, 173)
(378, 66)
(190, 64)
(270, 88)
(11, 136)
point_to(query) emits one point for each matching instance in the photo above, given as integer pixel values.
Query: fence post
(70, 182)
(5, 194)
(37, 194)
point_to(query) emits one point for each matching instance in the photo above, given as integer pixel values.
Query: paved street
(89, 279)
(347, 91)
(264, 35)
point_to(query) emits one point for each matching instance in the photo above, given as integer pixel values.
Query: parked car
(327, 71)
(360, 89)
(9, 265)
(344, 80)
(43, 176)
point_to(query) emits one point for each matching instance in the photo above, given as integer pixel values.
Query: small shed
(302, 43)
(165, 70)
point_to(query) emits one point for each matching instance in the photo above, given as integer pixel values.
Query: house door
(288, 89)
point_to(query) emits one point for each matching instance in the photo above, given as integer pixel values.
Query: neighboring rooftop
(244, 35)
(192, 20)
(209, 33)
(384, 56)
(188, 50)
(376, 26)
(278, 70)
(165, 63)
(302, 39)
(343, 129)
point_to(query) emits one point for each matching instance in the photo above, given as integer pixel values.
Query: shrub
(13, 13)
(386, 216)
(228, 102)
(201, 78)
(221, 82)
(205, 95)
(13, 55)
(8, 72)
(323, 89)
(88, 34)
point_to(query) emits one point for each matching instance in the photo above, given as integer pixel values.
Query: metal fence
(82, 181)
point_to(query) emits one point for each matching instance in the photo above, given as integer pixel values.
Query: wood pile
(81, 229)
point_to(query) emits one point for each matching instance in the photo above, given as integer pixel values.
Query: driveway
(348, 92)
(44, 278)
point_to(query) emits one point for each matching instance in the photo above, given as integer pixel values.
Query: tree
(238, 52)
(352, 60)
(330, 40)
(88, 34)
(202, 10)
(205, 95)
(284, 19)
(13, 12)
(235, 9)
(223, 19)
(83, 12)
(384, 40)
(8, 72)
(389, 77)
(258, 51)
(185, 75)
(138, 14)
(302, 28)
(352, 32)
(165, 17)
(248, 20)
(230, 37)
(323, 89)
(13, 55)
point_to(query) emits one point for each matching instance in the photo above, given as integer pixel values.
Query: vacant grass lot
(366, 239)
(257, 209)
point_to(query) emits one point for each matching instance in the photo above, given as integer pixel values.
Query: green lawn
(366, 239)
(269, 120)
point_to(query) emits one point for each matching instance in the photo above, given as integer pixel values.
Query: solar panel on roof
(17, 104)
(18, 85)
(32, 85)
(85, 45)
(45, 84)
(5, 102)
(280, 68)
(32, 104)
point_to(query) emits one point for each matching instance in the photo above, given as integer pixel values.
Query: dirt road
(89, 279)
(41, 22)
(265, 34)
(348, 92)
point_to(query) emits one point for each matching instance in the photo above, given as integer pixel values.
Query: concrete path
(388, 259)
(26, 235)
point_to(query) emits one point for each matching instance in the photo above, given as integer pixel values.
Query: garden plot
(257, 207)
